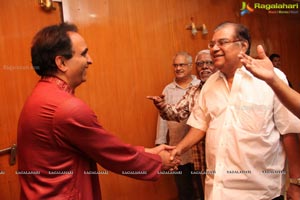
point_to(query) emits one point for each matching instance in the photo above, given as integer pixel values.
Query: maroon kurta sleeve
(75, 125)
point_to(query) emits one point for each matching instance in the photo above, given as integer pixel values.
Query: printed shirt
(176, 130)
(244, 155)
(181, 111)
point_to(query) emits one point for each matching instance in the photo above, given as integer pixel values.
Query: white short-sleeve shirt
(244, 155)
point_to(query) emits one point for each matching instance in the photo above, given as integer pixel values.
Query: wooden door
(19, 21)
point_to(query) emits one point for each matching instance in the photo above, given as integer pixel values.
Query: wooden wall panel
(19, 21)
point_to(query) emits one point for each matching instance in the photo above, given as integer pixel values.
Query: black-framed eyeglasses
(221, 42)
(180, 64)
(202, 63)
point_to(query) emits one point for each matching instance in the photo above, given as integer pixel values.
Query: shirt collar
(244, 72)
(241, 70)
(195, 81)
(62, 85)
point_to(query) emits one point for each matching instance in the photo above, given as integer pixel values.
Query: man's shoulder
(73, 107)
(279, 73)
(195, 88)
(195, 81)
(74, 103)
(212, 79)
(169, 86)
(74, 112)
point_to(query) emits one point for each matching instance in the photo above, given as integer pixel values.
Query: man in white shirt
(249, 133)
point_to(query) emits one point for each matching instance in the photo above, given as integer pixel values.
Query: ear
(245, 46)
(60, 63)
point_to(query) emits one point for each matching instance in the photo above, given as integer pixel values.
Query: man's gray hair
(188, 57)
(204, 51)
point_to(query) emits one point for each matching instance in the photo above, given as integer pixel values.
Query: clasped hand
(169, 162)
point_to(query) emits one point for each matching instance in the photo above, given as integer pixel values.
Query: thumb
(261, 52)
(173, 154)
(150, 97)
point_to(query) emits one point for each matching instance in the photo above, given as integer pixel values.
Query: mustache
(206, 70)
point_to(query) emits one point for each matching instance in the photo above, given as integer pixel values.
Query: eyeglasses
(180, 64)
(221, 43)
(201, 63)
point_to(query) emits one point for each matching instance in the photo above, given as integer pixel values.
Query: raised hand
(261, 67)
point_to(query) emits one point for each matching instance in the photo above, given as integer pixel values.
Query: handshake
(169, 156)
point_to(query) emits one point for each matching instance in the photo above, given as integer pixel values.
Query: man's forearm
(193, 137)
(289, 97)
(292, 148)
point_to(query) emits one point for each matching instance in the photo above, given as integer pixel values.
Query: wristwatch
(295, 181)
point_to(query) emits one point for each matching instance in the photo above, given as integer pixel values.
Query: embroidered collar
(60, 83)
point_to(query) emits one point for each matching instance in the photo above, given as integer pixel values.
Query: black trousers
(279, 198)
(185, 183)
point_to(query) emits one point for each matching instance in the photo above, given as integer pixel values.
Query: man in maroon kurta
(59, 137)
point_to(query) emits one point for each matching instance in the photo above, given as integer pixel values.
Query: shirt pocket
(252, 117)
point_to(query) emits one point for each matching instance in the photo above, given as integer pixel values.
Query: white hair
(204, 51)
(187, 56)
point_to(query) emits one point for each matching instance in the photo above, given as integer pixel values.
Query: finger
(158, 99)
(162, 96)
(178, 159)
(167, 147)
(243, 56)
(173, 154)
(260, 51)
(246, 61)
(160, 148)
(242, 59)
(176, 162)
(150, 97)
